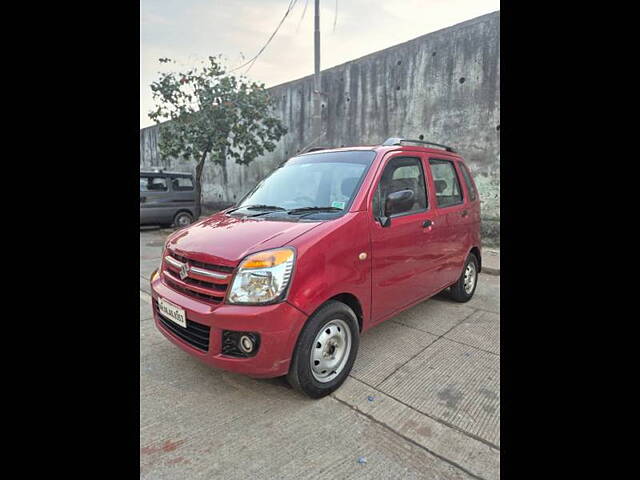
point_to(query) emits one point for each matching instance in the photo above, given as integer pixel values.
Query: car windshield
(309, 185)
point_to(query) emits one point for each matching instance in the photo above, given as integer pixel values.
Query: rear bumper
(278, 326)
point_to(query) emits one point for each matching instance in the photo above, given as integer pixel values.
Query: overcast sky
(191, 30)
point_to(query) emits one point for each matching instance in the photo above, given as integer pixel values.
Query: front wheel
(326, 350)
(464, 288)
(182, 219)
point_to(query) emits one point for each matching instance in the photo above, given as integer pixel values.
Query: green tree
(206, 112)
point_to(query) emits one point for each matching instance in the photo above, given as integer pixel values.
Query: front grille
(197, 284)
(207, 266)
(191, 293)
(196, 334)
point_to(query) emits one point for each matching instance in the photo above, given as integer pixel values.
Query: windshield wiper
(257, 207)
(313, 209)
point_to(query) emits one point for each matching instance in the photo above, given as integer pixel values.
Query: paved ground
(422, 401)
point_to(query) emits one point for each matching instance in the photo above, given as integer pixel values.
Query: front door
(155, 200)
(403, 257)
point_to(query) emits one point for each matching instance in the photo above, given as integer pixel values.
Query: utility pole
(316, 118)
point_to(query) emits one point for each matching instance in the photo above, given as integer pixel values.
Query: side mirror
(398, 202)
(384, 221)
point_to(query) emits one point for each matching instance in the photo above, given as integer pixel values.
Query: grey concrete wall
(444, 85)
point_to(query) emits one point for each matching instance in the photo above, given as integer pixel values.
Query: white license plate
(172, 312)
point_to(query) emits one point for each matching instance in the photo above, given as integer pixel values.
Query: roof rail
(398, 141)
(315, 149)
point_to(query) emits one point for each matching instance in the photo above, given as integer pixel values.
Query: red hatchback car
(332, 243)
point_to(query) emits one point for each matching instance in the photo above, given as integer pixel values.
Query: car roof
(387, 148)
(163, 173)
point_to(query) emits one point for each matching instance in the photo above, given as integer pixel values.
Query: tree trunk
(199, 168)
(225, 177)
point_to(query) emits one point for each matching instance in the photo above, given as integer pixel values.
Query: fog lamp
(246, 344)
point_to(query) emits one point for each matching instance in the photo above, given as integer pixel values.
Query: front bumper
(278, 326)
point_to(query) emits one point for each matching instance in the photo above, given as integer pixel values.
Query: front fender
(329, 264)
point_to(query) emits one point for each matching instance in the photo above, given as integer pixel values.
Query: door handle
(427, 223)
(465, 213)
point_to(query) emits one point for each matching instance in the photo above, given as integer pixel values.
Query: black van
(167, 198)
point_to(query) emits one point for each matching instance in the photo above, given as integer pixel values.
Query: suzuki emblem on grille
(184, 271)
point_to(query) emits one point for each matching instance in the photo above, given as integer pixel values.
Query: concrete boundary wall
(444, 85)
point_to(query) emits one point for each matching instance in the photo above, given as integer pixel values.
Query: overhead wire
(302, 16)
(253, 59)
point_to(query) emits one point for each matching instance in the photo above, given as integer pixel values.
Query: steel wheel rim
(469, 277)
(330, 350)
(183, 220)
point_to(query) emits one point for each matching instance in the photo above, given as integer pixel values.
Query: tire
(182, 219)
(458, 291)
(333, 326)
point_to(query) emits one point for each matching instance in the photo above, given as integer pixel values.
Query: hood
(223, 240)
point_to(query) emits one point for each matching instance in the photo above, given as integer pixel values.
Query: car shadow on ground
(277, 382)
(155, 228)
(444, 296)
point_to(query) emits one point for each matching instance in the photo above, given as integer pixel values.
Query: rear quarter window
(473, 194)
(182, 184)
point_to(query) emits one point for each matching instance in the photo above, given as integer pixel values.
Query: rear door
(155, 204)
(403, 258)
(453, 211)
(183, 195)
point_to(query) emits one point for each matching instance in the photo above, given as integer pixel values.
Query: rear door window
(153, 184)
(446, 183)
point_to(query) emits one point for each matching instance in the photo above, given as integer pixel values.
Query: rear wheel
(326, 350)
(182, 219)
(465, 287)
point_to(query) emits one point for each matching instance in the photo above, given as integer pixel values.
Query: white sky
(188, 31)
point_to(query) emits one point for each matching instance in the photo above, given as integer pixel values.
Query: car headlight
(263, 277)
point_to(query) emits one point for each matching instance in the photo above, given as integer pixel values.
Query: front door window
(401, 173)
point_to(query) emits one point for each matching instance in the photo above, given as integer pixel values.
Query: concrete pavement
(422, 401)
(491, 261)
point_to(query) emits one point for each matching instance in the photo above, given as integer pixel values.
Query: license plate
(172, 312)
